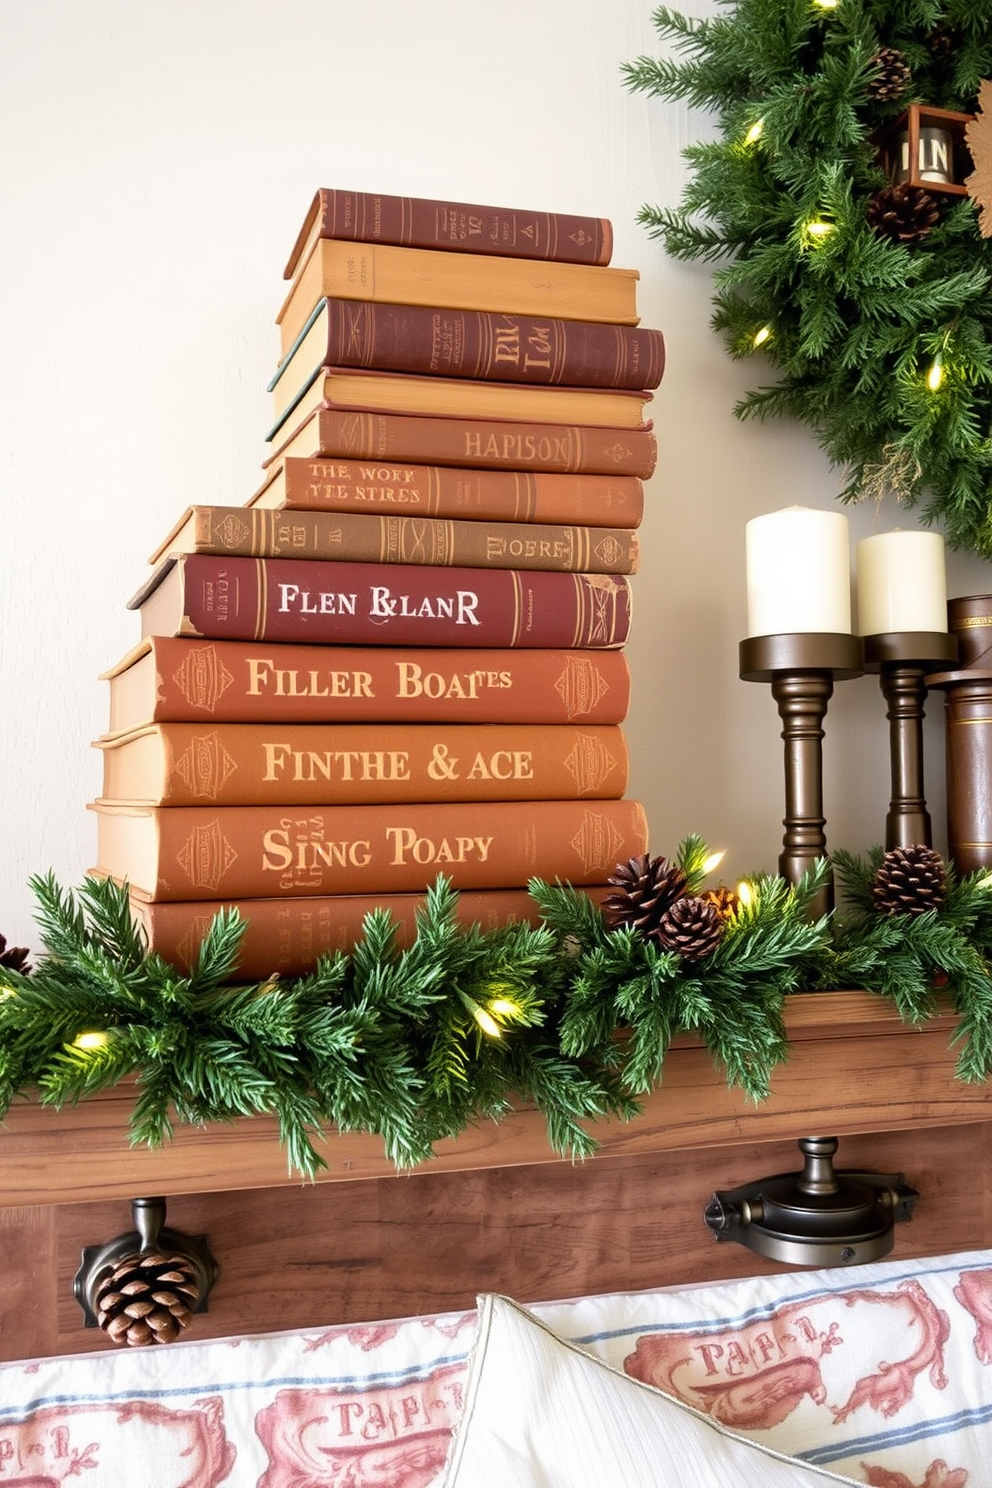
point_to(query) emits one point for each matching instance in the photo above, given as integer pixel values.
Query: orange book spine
(284, 937)
(247, 764)
(447, 491)
(181, 678)
(464, 227)
(307, 599)
(490, 444)
(195, 852)
(492, 346)
(372, 537)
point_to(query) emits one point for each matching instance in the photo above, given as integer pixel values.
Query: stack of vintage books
(403, 655)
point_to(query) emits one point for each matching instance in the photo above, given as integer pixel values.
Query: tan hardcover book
(373, 391)
(325, 764)
(382, 604)
(181, 678)
(260, 852)
(436, 342)
(446, 491)
(464, 281)
(461, 227)
(487, 444)
(369, 537)
(285, 936)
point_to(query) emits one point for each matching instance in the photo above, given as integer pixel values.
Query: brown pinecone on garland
(149, 1298)
(646, 887)
(909, 880)
(893, 77)
(943, 42)
(15, 958)
(724, 901)
(903, 213)
(692, 926)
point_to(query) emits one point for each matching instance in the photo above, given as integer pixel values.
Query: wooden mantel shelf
(854, 1067)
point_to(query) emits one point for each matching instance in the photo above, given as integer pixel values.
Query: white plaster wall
(156, 164)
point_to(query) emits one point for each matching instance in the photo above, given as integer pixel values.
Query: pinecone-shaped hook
(144, 1286)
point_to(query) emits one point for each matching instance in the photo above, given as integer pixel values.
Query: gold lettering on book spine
(589, 763)
(205, 766)
(202, 679)
(206, 855)
(580, 686)
(597, 843)
(612, 553)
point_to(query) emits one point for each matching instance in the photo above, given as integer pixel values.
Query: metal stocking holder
(149, 1235)
(818, 1217)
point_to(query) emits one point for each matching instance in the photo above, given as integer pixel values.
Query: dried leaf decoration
(978, 137)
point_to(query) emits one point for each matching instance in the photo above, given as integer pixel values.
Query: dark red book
(477, 344)
(463, 227)
(381, 604)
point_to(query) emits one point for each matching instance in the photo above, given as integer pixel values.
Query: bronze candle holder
(802, 668)
(902, 660)
(968, 764)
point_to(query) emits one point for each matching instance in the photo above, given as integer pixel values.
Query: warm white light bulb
(713, 861)
(755, 132)
(486, 1022)
(936, 374)
(505, 1006)
(94, 1040)
(818, 228)
(760, 337)
(745, 893)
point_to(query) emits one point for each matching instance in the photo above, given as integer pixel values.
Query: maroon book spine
(307, 599)
(492, 347)
(464, 227)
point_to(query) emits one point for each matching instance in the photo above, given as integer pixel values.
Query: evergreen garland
(415, 1043)
(882, 347)
(411, 1043)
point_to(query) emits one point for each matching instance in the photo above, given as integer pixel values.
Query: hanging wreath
(868, 297)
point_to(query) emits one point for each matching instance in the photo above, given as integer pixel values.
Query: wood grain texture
(349, 1252)
(854, 1067)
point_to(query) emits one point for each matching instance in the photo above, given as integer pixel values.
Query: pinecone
(149, 1298)
(692, 926)
(943, 42)
(647, 886)
(15, 958)
(903, 213)
(724, 901)
(909, 880)
(893, 77)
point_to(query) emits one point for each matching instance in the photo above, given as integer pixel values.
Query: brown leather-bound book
(468, 343)
(462, 227)
(489, 444)
(327, 764)
(381, 604)
(285, 936)
(461, 281)
(366, 537)
(446, 491)
(180, 678)
(462, 397)
(219, 852)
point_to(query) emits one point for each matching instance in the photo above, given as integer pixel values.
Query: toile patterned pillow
(540, 1412)
(882, 1373)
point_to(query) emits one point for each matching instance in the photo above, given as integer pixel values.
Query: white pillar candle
(798, 572)
(902, 583)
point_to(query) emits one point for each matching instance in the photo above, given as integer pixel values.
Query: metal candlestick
(902, 659)
(802, 669)
(968, 704)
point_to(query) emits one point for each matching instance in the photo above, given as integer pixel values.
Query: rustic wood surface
(497, 1210)
(854, 1067)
